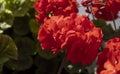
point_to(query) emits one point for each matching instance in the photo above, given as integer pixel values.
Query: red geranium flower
(85, 48)
(47, 8)
(86, 2)
(109, 59)
(104, 9)
(75, 34)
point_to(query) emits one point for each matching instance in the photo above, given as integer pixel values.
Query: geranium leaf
(34, 26)
(106, 28)
(26, 46)
(20, 26)
(6, 19)
(18, 7)
(46, 54)
(23, 63)
(8, 49)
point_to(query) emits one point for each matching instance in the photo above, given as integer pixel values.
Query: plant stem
(114, 23)
(90, 6)
(61, 65)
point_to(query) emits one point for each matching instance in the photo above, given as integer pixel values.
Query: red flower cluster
(47, 8)
(74, 34)
(104, 9)
(109, 58)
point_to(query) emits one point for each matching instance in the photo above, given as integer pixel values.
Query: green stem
(90, 6)
(61, 65)
(114, 23)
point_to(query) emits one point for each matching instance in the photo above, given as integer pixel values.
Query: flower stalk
(114, 23)
(61, 66)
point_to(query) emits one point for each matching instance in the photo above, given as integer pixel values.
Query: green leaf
(39, 61)
(8, 49)
(119, 30)
(18, 7)
(34, 26)
(26, 46)
(46, 54)
(3, 59)
(21, 26)
(106, 28)
(6, 19)
(2, 5)
(23, 63)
